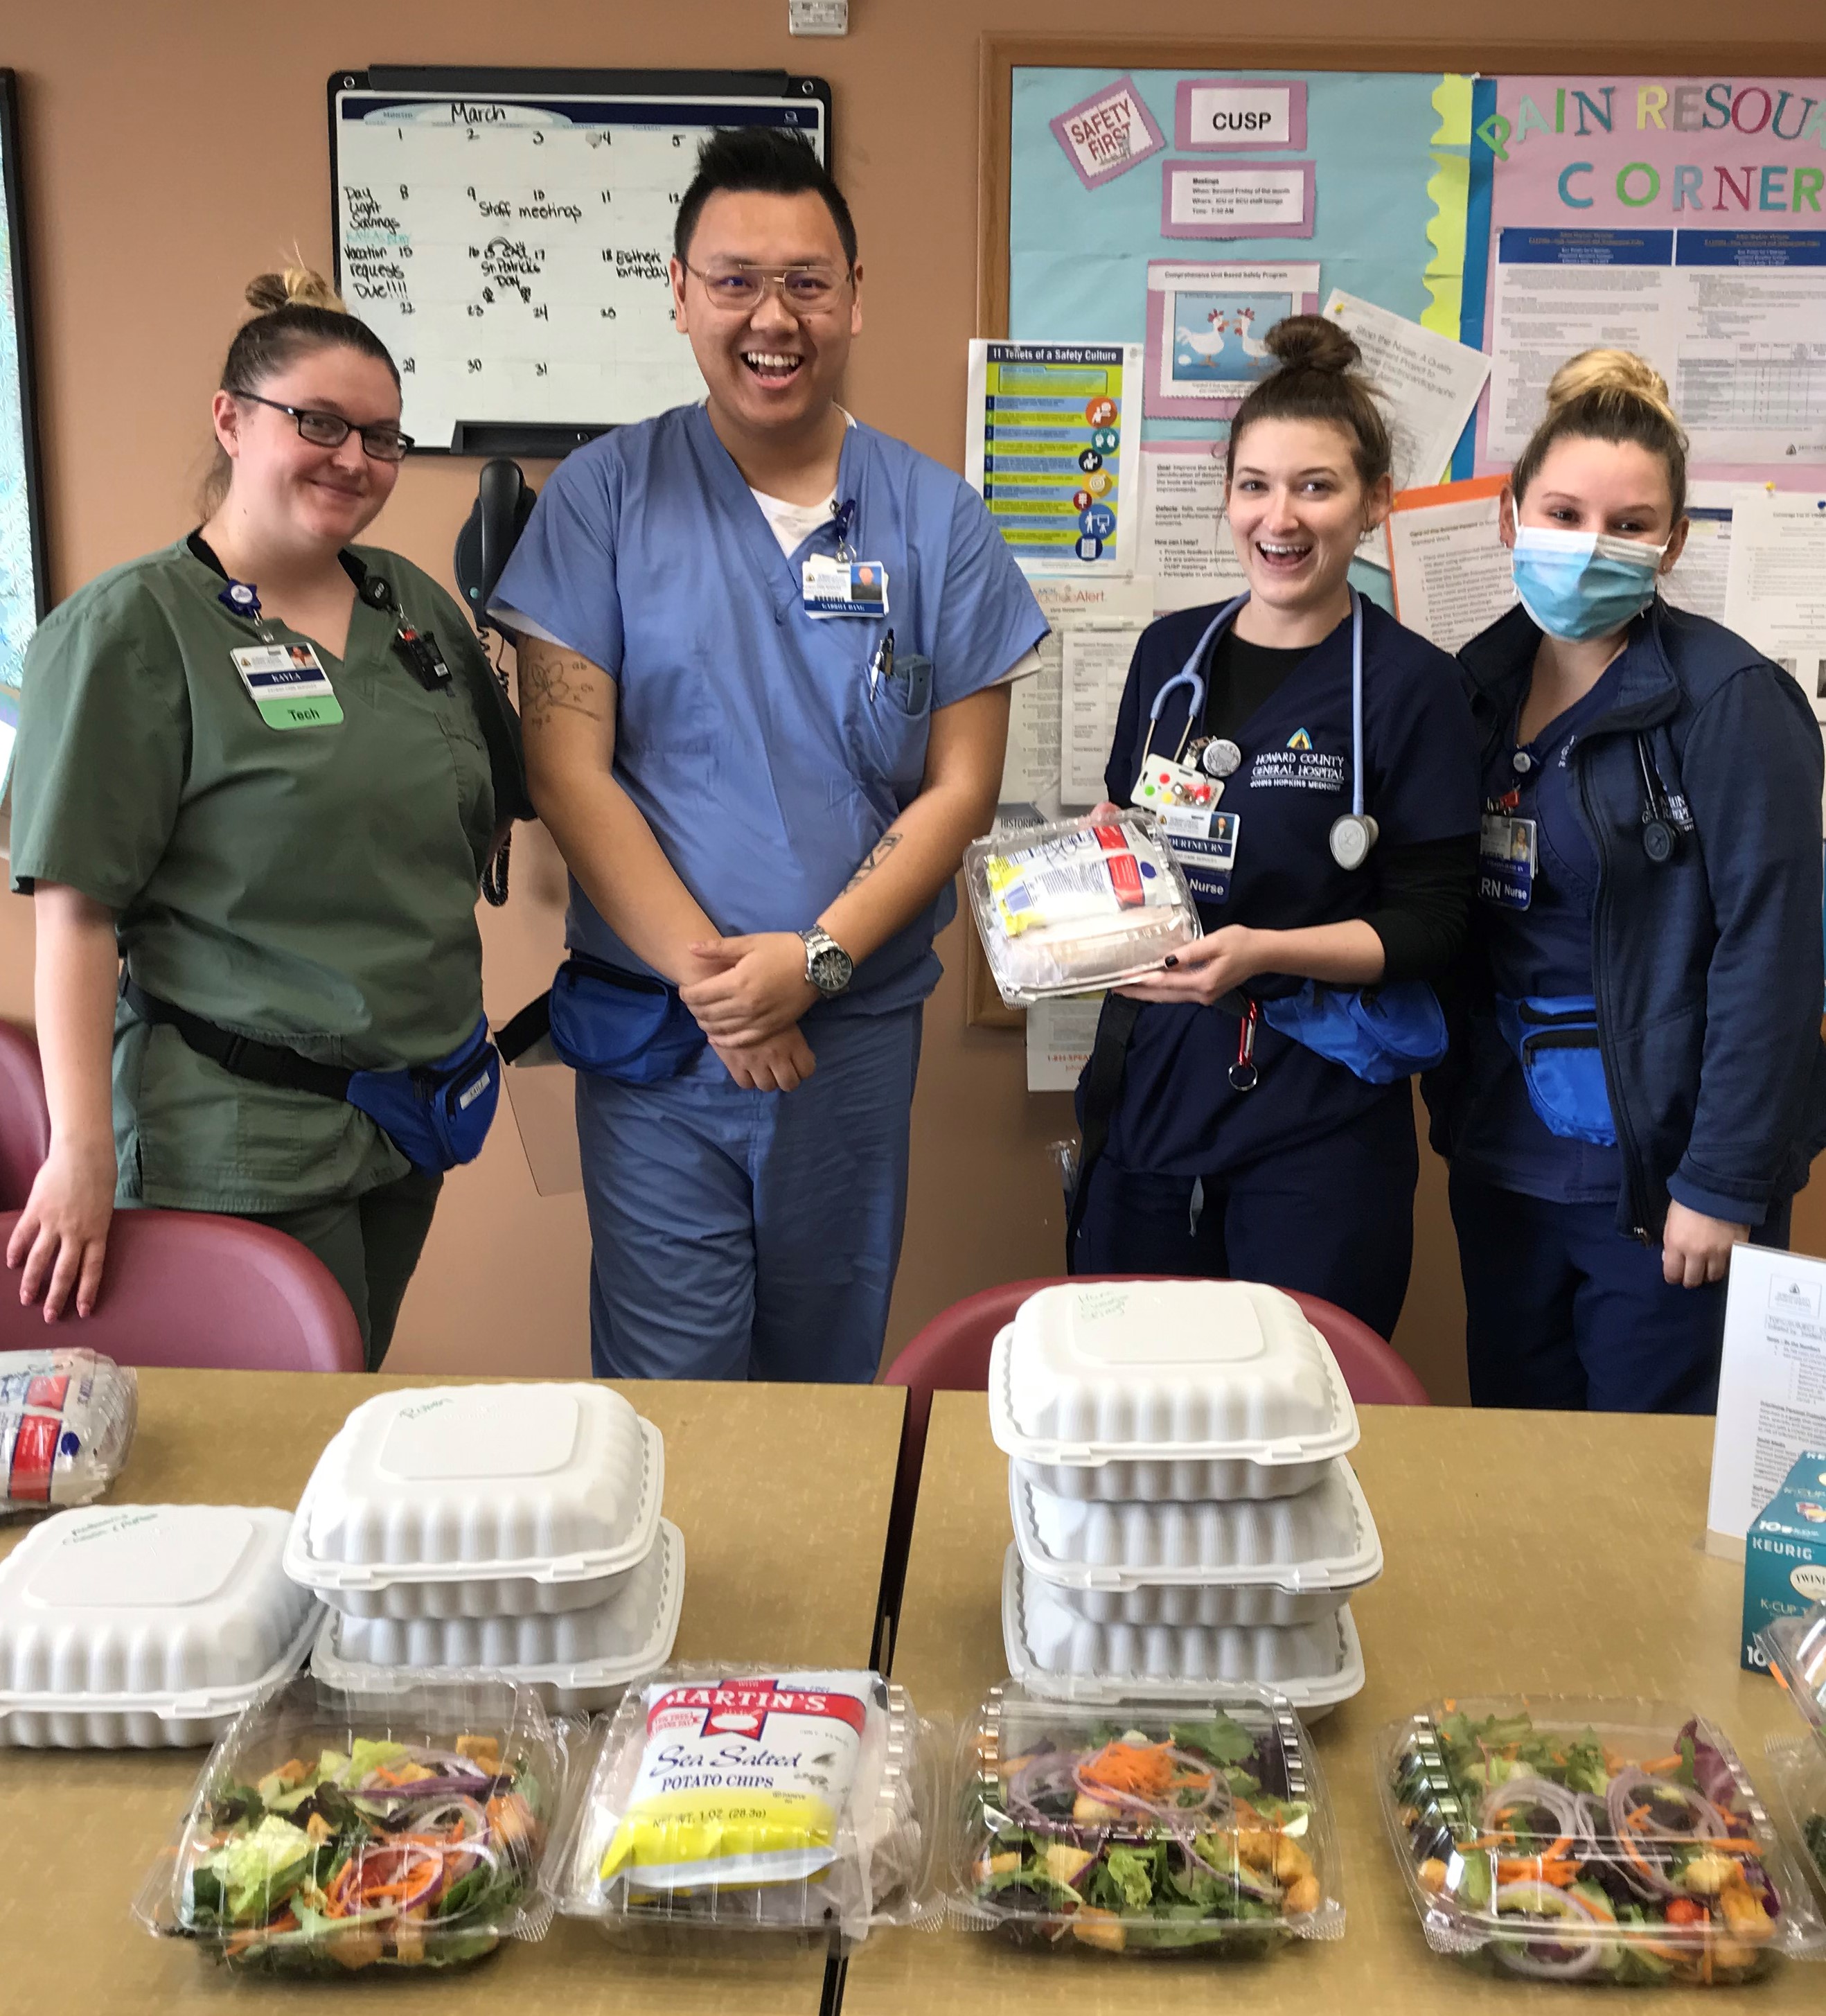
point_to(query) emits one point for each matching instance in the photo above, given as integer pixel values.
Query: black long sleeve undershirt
(1423, 889)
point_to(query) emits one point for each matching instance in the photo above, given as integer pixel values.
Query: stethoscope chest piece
(1658, 840)
(1353, 835)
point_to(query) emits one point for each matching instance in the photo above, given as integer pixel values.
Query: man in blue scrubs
(762, 673)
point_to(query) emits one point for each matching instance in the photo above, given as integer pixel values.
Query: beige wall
(171, 152)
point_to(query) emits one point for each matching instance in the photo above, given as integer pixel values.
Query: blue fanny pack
(436, 1114)
(1382, 1034)
(626, 1026)
(1555, 1040)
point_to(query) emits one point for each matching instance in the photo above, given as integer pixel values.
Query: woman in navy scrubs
(1215, 1143)
(1638, 1081)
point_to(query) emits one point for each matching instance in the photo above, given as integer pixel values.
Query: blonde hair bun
(1312, 343)
(1614, 374)
(293, 287)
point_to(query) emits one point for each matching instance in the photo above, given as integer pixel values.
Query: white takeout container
(1168, 1390)
(1054, 1651)
(1269, 1560)
(146, 1627)
(479, 1501)
(575, 1660)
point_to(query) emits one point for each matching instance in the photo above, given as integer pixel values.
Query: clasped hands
(747, 997)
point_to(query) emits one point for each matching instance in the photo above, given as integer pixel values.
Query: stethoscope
(1664, 818)
(1353, 833)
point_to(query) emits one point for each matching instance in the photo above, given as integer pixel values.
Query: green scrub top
(314, 886)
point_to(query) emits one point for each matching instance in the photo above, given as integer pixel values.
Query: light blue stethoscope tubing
(1189, 676)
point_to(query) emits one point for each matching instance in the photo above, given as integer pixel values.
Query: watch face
(831, 968)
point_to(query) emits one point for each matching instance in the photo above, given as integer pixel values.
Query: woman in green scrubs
(237, 773)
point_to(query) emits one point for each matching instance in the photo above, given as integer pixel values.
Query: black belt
(266, 1063)
(1103, 1086)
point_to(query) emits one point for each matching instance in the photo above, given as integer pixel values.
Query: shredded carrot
(1659, 1767)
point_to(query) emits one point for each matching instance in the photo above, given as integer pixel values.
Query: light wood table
(782, 1493)
(1537, 1553)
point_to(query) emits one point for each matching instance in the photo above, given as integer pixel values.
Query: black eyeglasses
(380, 444)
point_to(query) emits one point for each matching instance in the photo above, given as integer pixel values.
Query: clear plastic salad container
(331, 1833)
(1268, 1560)
(1598, 1841)
(795, 1805)
(1168, 1390)
(575, 1660)
(66, 1420)
(1146, 1825)
(1077, 904)
(480, 1501)
(1055, 1650)
(1799, 1769)
(145, 1626)
(1796, 1648)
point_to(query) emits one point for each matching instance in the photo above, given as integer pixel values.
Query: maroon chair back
(951, 1355)
(25, 1119)
(187, 1288)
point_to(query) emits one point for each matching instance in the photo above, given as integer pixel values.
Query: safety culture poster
(1472, 232)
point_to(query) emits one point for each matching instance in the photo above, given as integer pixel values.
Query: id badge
(1171, 788)
(1208, 859)
(830, 587)
(288, 685)
(1506, 859)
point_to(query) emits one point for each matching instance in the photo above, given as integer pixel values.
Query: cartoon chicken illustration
(1252, 344)
(1208, 345)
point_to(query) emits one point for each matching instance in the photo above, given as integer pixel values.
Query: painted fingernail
(1171, 959)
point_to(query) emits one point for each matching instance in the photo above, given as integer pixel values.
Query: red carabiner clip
(1244, 1075)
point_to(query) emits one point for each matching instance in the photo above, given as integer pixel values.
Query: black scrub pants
(1333, 1217)
(371, 1243)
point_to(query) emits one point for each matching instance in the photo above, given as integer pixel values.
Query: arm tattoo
(873, 860)
(550, 678)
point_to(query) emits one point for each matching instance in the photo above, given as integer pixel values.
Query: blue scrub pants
(740, 1235)
(1333, 1217)
(1561, 1310)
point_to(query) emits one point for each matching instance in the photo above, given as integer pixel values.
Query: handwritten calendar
(511, 249)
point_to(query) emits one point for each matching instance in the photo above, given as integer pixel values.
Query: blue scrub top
(744, 731)
(1177, 1114)
(1543, 950)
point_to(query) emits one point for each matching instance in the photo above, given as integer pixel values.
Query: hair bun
(1617, 374)
(292, 287)
(1312, 343)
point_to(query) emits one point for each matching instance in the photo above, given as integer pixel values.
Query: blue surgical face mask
(1578, 585)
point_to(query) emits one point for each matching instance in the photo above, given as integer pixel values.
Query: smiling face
(292, 495)
(1619, 487)
(1297, 509)
(769, 368)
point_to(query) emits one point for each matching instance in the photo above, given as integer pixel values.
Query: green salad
(1180, 1837)
(390, 1853)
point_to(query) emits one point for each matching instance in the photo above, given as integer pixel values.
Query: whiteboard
(507, 235)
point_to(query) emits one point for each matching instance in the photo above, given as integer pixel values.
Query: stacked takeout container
(1183, 1512)
(510, 1529)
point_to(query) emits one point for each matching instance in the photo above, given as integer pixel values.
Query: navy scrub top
(1177, 1114)
(1544, 950)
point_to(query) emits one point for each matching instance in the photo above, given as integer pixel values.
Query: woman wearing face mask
(1639, 1081)
(1247, 1112)
(264, 768)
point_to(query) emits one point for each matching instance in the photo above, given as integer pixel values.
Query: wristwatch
(828, 967)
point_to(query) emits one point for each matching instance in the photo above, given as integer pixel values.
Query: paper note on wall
(1049, 443)
(1428, 384)
(1059, 1034)
(1096, 668)
(1772, 1386)
(1186, 544)
(1775, 589)
(1031, 769)
(1448, 566)
(1699, 577)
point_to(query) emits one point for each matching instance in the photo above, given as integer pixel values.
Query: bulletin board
(506, 234)
(1525, 202)
(1484, 210)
